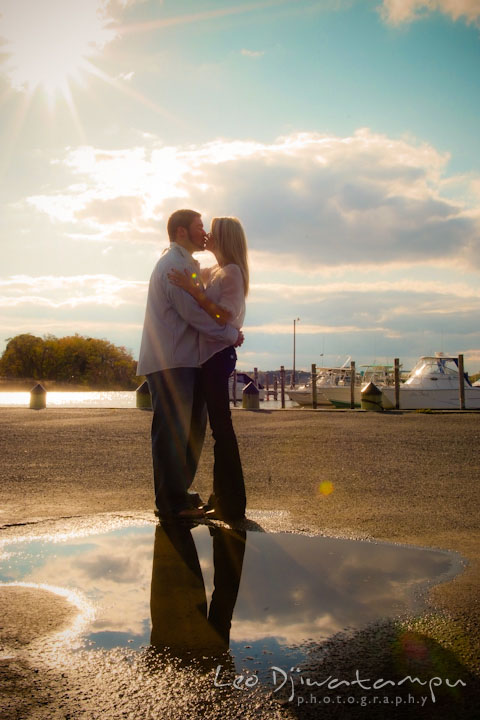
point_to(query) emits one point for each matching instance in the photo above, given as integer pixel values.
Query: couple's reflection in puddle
(183, 625)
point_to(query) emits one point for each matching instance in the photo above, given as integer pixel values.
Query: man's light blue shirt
(174, 320)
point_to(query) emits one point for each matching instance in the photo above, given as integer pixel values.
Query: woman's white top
(223, 286)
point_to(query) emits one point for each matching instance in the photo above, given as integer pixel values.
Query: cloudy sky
(343, 133)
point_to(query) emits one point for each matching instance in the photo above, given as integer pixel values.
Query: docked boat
(433, 384)
(327, 377)
(381, 375)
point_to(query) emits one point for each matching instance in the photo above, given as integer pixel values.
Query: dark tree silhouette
(74, 359)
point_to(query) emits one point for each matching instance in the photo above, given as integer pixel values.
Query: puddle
(202, 590)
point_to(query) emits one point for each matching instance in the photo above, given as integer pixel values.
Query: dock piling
(38, 397)
(352, 384)
(461, 380)
(143, 399)
(372, 398)
(314, 386)
(396, 371)
(250, 397)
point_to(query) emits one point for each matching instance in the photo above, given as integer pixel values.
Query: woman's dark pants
(228, 484)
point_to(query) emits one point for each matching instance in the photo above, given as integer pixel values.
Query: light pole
(294, 332)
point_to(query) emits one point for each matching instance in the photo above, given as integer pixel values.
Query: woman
(221, 293)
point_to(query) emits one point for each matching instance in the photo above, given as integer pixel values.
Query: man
(169, 357)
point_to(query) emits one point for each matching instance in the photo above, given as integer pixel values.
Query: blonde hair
(231, 243)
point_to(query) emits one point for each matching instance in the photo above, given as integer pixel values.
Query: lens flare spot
(413, 646)
(325, 488)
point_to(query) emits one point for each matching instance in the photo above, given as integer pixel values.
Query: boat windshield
(333, 376)
(381, 374)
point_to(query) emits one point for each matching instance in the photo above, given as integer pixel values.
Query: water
(201, 590)
(107, 399)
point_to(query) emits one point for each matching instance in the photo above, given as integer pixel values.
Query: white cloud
(111, 211)
(102, 306)
(473, 358)
(324, 289)
(252, 53)
(366, 238)
(324, 200)
(117, 574)
(402, 11)
(116, 331)
(114, 7)
(70, 292)
(368, 319)
(286, 329)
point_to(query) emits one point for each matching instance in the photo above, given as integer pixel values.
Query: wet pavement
(407, 478)
(200, 589)
(211, 621)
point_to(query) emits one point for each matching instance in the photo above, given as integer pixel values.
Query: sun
(49, 43)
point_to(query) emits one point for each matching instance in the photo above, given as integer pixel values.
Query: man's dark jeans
(178, 431)
(228, 484)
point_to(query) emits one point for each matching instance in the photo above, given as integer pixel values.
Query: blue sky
(343, 133)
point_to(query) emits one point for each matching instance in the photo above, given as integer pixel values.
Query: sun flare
(48, 43)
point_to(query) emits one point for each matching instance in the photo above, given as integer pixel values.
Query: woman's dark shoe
(211, 503)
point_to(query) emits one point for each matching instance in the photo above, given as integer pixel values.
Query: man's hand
(240, 339)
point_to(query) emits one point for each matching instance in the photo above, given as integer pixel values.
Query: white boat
(433, 384)
(327, 377)
(242, 381)
(381, 375)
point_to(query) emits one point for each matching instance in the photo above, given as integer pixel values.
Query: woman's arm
(189, 282)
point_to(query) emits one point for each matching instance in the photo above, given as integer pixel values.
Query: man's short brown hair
(180, 218)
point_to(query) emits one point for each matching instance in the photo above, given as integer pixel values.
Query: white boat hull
(341, 395)
(304, 397)
(412, 398)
